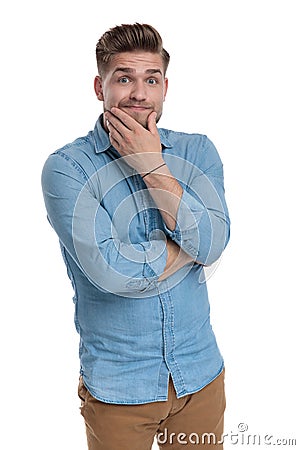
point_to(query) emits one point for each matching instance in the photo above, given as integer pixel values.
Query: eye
(124, 80)
(152, 81)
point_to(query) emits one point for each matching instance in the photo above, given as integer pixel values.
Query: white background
(234, 75)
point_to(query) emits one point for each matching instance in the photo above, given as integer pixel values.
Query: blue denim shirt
(135, 331)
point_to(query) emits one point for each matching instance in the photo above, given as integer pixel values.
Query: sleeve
(202, 224)
(86, 232)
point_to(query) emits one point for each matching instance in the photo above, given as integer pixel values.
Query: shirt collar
(102, 142)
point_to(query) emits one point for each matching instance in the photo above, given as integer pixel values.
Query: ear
(166, 84)
(98, 88)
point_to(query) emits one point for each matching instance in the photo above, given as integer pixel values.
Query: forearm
(201, 230)
(176, 259)
(166, 192)
(194, 214)
(86, 231)
(198, 224)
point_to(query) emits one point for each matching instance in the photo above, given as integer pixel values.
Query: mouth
(137, 108)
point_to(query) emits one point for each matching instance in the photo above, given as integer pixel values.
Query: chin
(140, 118)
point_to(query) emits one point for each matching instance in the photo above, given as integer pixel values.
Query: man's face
(135, 83)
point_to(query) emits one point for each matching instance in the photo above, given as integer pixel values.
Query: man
(139, 212)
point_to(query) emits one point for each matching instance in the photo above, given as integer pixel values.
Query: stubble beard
(137, 116)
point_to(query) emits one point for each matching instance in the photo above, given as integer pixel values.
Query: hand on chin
(140, 116)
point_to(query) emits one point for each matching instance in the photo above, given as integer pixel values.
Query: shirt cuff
(155, 261)
(186, 231)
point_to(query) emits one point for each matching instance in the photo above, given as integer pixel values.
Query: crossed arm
(142, 149)
(195, 215)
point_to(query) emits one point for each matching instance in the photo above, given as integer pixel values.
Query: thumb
(152, 122)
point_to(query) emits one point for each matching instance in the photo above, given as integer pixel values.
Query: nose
(138, 91)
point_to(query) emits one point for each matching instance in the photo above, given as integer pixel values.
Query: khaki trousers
(193, 421)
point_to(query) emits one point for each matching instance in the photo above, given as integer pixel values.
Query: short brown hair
(129, 38)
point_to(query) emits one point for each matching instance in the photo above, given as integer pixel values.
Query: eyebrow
(130, 70)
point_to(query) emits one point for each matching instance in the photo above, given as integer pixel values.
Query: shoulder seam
(73, 163)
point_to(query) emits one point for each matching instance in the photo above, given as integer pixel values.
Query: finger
(112, 122)
(113, 134)
(129, 122)
(116, 123)
(114, 141)
(152, 122)
(114, 128)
